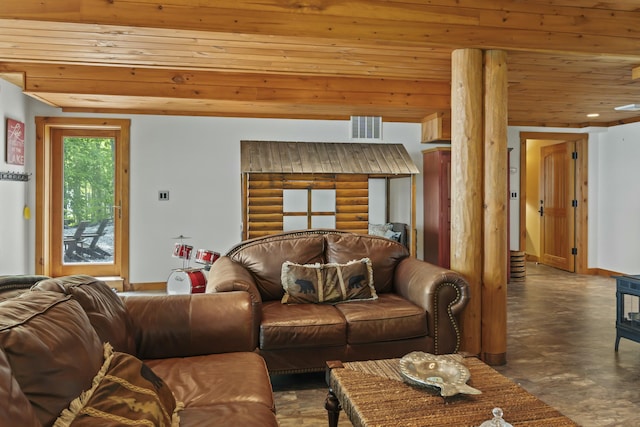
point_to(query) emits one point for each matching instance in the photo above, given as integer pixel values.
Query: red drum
(205, 256)
(183, 251)
(186, 281)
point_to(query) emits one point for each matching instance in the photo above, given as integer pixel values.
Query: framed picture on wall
(15, 142)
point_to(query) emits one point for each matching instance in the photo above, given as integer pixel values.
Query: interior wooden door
(557, 193)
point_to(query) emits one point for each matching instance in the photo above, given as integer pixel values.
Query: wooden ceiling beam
(76, 88)
(113, 104)
(196, 78)
(231, 86)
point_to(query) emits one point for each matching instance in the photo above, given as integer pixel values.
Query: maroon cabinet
(436, 190)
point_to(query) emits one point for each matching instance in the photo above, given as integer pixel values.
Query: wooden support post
(466, 185)
(494, 277)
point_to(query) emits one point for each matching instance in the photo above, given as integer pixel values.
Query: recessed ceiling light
(593, 115)
(628, 107)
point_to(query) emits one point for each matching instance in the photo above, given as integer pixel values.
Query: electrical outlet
(163, 195)
(514, 195)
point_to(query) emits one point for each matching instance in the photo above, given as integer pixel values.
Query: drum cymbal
(180, 237)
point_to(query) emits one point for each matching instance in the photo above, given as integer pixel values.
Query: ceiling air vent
(366, 127)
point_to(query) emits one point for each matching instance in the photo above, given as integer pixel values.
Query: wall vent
(366, 127)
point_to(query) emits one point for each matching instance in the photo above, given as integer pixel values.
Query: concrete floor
(561, 335)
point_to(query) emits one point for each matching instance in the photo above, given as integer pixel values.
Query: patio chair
(93, 250)
(73, 243)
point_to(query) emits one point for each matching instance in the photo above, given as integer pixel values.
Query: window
(308, 208)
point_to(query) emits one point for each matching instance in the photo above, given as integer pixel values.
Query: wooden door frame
(44, 127)
(582, 172)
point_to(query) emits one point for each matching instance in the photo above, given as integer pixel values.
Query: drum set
(188, 280)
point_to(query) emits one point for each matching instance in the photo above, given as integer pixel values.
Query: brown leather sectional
(198, 347)
(417, 306)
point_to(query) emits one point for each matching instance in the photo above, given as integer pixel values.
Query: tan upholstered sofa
(416, 308)
(197, 352)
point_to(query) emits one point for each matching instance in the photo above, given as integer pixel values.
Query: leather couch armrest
(227, 275)
(441, 292)
(191, 325)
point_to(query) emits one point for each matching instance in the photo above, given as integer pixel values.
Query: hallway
(561, 334)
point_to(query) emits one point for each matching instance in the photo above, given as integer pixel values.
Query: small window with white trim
(308, 208)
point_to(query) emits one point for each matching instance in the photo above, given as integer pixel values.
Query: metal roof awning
(326, 157)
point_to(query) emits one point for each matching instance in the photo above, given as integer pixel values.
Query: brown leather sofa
(416, 308)
(197, 352)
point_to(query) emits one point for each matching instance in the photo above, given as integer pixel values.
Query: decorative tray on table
(443, 372)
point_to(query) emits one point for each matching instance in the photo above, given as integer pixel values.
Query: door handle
(114, 208)
(541, 210)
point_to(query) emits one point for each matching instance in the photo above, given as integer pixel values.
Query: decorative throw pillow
(125, 391)
(328, 283)
(393, 235)
(380, 229)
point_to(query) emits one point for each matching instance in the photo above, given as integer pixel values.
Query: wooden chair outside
(73, 243)
(93, 250)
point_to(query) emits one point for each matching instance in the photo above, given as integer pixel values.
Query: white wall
(14, 228)
(198, 159)
(618, 207)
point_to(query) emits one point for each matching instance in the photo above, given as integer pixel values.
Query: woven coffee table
(372, 393)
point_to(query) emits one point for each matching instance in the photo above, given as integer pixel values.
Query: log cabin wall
(352, 203)
(264, 201)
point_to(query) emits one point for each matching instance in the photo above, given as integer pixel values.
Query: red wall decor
(15, 142)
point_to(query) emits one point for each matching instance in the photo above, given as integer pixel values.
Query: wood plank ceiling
(324, 59)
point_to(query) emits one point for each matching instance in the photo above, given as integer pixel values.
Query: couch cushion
(300, 325)
(264, 259)
(385, 254)
(15, 408)
(229, 415)
(124, 392)
(12, 286)
(389, 318)
(53, 351)
(327, 283)
(216, 379)
(106, 311)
